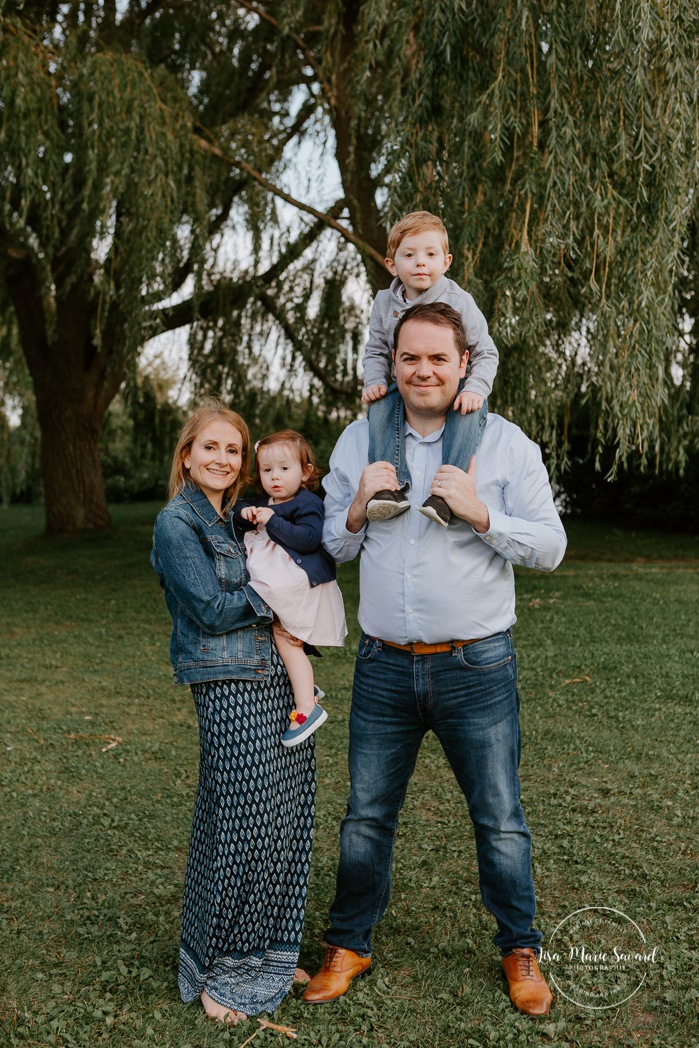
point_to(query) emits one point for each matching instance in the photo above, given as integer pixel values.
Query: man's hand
(377, 476)
(466, 402)
(458, 489)
(374, 392)
(256, 514)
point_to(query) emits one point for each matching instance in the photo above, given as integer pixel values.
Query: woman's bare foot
(219, 1012)
(301, 976)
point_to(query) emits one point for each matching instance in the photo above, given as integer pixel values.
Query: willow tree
(114, 200)
(558, 141)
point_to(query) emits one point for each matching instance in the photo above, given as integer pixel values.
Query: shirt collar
(429, 439)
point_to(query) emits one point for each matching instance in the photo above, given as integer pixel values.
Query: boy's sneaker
(386, 504)
(436, 509)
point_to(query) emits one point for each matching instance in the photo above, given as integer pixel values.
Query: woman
(249, 856)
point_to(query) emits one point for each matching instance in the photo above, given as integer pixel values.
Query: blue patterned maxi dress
(249, 856)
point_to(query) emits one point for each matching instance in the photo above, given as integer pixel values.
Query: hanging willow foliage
(559, 141)
(145, 149)
(100, 168)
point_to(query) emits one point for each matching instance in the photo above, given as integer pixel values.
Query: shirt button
(395, 312)
(410, 578)
(418, 474)
(412, 542)
(410, 611)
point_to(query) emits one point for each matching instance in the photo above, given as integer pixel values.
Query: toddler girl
(290, 570)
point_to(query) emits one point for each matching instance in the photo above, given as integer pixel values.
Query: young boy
(418, 258)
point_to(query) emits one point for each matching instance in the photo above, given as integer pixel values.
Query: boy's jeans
(462, 434)
(468, 697)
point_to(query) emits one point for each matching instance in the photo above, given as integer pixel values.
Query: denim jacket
(220, 624)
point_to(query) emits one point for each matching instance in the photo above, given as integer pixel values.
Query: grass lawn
(98, 765)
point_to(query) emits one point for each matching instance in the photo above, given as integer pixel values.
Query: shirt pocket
(229, 563)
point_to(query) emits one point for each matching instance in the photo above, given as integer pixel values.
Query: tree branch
(217, 223)
(135, 18)
(235, 292)
(361, 245)
(297, 247)
(208, 306)
(300, 43)
(304, 114)
(305, 352)
(355, 148)
(187, 267)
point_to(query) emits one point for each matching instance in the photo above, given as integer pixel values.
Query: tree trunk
(355, 153)
(74, 385)
(74, 495)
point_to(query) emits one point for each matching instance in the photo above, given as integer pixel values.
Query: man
(436, 608)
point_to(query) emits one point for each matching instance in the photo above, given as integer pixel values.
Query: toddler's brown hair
(302, 450)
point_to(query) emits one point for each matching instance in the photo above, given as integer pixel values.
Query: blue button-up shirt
(422, 582)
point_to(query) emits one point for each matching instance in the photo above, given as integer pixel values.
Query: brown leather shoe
(338, 970)
(528, 990)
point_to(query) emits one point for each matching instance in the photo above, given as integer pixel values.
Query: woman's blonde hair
(302, 449)
(211, 410)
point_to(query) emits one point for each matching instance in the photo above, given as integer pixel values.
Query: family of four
(440, 500)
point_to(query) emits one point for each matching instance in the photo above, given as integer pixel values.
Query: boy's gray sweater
(388, 308)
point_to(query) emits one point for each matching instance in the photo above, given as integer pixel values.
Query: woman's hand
(279, 631)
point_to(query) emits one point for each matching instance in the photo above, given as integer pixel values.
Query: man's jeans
(468, 697)
(462, 434)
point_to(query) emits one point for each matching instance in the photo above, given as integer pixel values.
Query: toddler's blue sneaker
(295, 736)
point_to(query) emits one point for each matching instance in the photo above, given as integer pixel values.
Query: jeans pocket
(368, 647)
(487, 654)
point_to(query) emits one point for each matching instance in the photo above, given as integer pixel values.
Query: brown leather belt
(418, 648)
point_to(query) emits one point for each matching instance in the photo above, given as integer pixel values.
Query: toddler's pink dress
(312, 613)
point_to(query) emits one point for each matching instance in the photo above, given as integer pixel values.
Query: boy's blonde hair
(211, 410)
(301, 449)
(412, 224)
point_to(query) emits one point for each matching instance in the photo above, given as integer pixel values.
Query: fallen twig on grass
(266, 1025)
(288, 1030)
(111, 740)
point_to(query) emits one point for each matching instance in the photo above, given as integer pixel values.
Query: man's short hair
(439, 314)
(412, 224)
